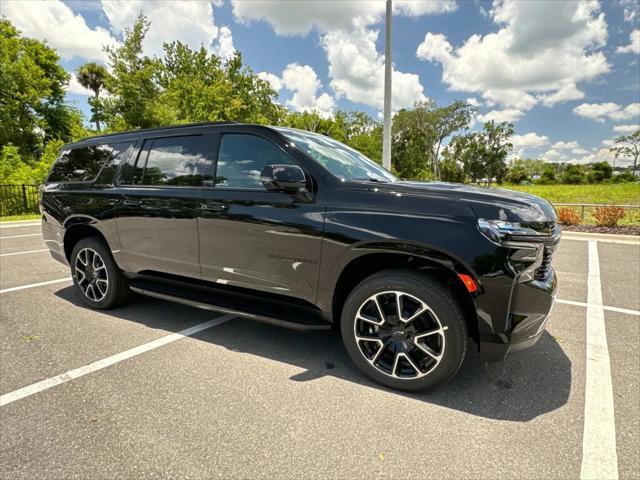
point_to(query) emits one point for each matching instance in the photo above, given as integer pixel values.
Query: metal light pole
(386, 130)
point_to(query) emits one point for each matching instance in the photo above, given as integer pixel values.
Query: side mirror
(286, 178)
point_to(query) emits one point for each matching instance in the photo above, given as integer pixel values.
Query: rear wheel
(96, 276)
(404, 330)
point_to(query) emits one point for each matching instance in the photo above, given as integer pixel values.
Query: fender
(106, 228)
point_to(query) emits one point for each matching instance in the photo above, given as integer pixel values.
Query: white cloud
(579, 151)
(566, 152)
(626, 129)
(634, 44)
(55, 22)
(223, 46)
(274, 80)
(566, 93)
(190, 22)
(565, 145)
(527, 141)
(610, 110)
(299, 18)
(356, 70)
(474, 102)
(531, 139)
(540, 53)
(506, 115)
(303, 82)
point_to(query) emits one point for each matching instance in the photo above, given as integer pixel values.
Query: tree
(628, 146)
(517, 174)
(360, 132)
(496, 148)
(32, 90)
(134, 100)
(483, 154)
(93, 76)
(198, 86)
(469, 150)
(574, 175)
(426, 127)
(603, 170)
(548, 175)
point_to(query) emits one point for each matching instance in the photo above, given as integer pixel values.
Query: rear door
(254, 238)
(157, 220)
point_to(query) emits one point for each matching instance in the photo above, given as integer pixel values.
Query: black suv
(296, 229)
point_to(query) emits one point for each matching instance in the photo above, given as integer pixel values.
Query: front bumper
(529, 309)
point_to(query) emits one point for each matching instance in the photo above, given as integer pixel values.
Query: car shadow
(526, 385)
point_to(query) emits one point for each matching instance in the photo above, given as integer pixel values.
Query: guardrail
(18, 199)
(583, 206)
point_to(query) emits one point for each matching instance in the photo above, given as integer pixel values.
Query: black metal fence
(18, 199)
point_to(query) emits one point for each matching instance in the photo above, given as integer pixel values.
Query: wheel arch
(78, 228)
(437, 264)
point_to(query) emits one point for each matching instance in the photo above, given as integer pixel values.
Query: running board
(231, 311)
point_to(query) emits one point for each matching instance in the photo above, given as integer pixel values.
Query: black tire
(443, 315)
(116, 291)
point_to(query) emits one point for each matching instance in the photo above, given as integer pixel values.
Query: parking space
(243, 399)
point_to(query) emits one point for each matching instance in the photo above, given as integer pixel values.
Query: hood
(488, 203)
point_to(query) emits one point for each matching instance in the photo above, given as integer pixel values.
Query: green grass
(613, 194)
(12, 218)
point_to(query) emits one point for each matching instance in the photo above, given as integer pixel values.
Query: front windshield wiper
(377, 180)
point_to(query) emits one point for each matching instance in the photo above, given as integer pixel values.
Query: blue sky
(566, 73)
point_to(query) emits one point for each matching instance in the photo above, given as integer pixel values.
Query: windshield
(342, 161)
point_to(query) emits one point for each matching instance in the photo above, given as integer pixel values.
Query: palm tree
(92, 76)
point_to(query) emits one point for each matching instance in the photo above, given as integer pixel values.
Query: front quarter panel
(437, 228)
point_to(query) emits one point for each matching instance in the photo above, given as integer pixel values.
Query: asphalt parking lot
(88, 394)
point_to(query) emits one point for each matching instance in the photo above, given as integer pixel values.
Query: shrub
(517, 175)
(568, 216)
(608, 216)
(574, 175)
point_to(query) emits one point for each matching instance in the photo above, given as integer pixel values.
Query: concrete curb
(602, 237)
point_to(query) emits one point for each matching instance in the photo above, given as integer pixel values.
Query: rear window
(80, 164)
(174, 161)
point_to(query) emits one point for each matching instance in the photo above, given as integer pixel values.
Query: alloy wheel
(399, 335)
(91, 274)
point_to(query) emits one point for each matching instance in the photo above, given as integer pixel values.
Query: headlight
(500, 230)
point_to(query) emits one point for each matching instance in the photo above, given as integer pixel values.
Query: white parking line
(23, 225)
(106, 362)
(599, 456)
(628, 311)
(33, 285)
(23, 253)
(21, 236)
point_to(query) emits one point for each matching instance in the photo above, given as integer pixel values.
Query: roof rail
(168, 127)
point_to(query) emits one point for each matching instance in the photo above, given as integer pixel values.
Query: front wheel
(96, 276)
(404, 330)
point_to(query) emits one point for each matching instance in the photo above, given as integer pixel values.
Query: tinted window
(176, 161)
(118, 152)
(242, 158)
(79, 164)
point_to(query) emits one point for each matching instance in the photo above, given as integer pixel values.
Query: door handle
(214, 207)
(132, 203)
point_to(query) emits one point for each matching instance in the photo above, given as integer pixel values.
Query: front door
(157, 217)
(254, 238)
